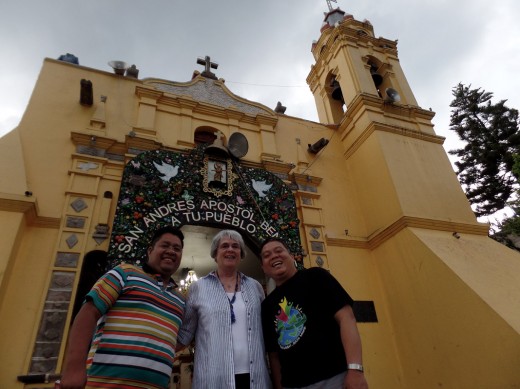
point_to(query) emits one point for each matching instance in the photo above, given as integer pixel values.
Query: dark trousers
(242, 381)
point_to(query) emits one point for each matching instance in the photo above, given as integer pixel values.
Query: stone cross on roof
(206, 61)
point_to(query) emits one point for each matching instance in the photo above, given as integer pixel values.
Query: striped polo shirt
(135, 339)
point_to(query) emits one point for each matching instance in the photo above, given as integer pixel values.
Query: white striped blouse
(207, 318)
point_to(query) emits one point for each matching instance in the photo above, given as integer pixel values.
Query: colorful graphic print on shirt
(290, 324)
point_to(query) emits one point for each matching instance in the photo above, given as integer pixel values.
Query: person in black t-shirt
(310, 331)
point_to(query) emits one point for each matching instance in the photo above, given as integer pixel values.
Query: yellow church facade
(367, 193)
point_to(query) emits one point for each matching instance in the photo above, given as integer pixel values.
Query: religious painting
(218, 176)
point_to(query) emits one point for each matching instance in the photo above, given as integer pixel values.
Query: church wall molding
(355, 144)
(384, 234)
(28, 207)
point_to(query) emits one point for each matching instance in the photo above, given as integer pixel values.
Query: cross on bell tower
(208, 65)
(330, 5)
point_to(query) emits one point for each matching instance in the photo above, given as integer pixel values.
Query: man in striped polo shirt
(138, 312)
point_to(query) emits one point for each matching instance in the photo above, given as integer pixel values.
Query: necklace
(232, 300)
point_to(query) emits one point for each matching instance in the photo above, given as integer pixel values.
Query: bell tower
(389, 144)
(428, 253)
(354, 67)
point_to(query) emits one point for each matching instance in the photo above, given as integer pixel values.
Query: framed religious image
(218, 176)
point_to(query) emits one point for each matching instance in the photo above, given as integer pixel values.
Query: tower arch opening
(334, 95)
(381, 76)
(375, 67)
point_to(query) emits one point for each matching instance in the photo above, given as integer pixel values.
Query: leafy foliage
(508, 230)
(490, 133)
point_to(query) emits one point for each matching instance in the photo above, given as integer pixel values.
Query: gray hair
(231, 234)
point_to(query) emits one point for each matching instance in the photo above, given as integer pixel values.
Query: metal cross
(330, 5)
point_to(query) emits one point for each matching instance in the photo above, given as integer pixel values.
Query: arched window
(335, 97)
(205, 135)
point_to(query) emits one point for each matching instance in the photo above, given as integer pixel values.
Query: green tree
(491, 137)
(507, 231)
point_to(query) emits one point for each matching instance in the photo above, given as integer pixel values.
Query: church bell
(336, 94)
(376, 77)
(217, 148)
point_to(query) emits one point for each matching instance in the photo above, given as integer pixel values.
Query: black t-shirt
(298, 322)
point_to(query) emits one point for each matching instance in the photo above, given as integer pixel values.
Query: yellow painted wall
(447, 308)
(403, 176)
(11, 228)
(357, 271)
(491, 271)
(12, 166)
(23, 297)
(417, 184)
(446, 335)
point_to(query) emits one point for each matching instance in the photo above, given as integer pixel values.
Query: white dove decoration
(168, 171)
(261, 187)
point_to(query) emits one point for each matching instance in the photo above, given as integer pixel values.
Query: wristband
(355, 366)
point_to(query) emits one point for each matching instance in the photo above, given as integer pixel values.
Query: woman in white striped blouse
(223, 314)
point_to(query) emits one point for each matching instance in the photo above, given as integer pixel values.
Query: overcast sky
(262, 47)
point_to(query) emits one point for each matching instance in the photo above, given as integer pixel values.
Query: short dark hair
(273, 239)
(167, 230)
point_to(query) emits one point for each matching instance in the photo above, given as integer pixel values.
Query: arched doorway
(196, 255)
(95, 264)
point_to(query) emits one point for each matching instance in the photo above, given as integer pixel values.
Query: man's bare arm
(74, 375)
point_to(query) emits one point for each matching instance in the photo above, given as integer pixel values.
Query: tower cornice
(354, 33)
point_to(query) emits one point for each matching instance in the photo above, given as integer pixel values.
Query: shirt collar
(214, 274)
(148, 269)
